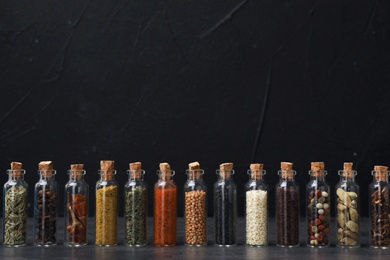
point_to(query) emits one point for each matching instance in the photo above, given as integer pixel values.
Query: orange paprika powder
(165, 208)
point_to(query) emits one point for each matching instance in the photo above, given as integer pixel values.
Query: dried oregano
(135, 216)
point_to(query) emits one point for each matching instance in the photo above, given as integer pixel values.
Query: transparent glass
(45, 209)
(136, 209)
(318, 210)
(287, 211)
(195, 209)
(256, 209)
(106, 209)
(348, 211)
(76, 209)
(379, 212)
(165, 210)
(225, 210)
(15, 209)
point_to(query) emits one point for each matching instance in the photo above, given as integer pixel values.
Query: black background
(178, 81)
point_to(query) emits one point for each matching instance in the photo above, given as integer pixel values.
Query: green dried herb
(135, 216)
(15, 218)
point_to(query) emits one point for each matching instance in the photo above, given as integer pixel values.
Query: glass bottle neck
(347, 178)
(47, 174)
(165, 175)
(376, 179)
(76, 178)
(191, 178)
(194, 175)
(15, 178)
(225, 174)
(16, 175)
(107, 175)
(256, 175)
(135, 175)
(76, 175)
(347, 175)
(48, 178)
(132, 178)
(286, 175)
(317, 178)
(255, 178)
(380, 176)
(282, 178)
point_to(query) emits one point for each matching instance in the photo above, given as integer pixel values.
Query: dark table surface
(187, 252)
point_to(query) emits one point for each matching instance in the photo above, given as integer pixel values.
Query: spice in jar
(195, 206)
(15, 207)
(76, 214)
(318, 206)
(45, 219)
(76, 201)
(380, 208)
(106, 206)
(287, 207)
(165, 208)
(135, 207)
(256, 207)
(347, 204)
(225, 207)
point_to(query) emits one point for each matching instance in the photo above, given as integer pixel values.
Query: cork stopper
(380, 172)
(286, 169)
(135, 170)
(76, 170)
(166, 172)
(194, 170)
(46, 168)
(107, 169)
(16, 169)
(318, 169)
(256, 170)
(225, 170)
(348, 172)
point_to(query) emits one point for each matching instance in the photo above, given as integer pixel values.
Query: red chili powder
(165, 216)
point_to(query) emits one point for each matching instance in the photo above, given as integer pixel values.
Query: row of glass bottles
(195, 191)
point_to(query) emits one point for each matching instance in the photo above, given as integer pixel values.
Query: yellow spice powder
(106, 215)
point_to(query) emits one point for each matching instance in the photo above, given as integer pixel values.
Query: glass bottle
(225, 207)
(379, 208)
(45, 206)
(165, 207)
(15, 207)
(287, 207)
(195, 213)
(76, 207)
(135, 206)
(106, 206)
(347, 204)
(256, 207)
(317, 207)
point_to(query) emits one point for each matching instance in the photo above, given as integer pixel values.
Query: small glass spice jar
(379, 208)
(317, 207)
(76, 207)
(165, 207)
(225, 207)
(15, 207)
(45, 206)
(256, 207)
(106, 206)
(347, 204)
(195, 213)
(287, 207)
(135, 206)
